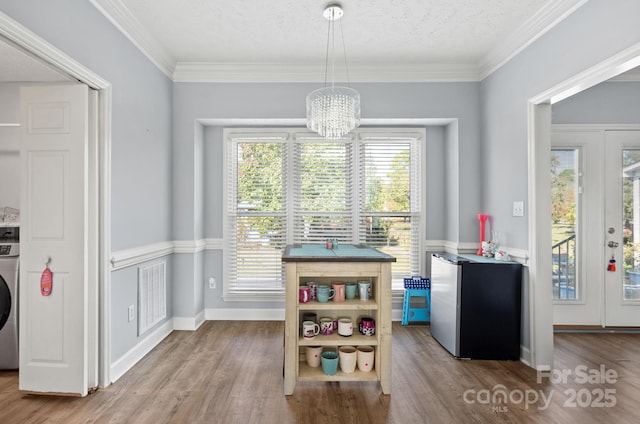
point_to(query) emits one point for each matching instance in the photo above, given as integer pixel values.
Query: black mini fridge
(476, 306)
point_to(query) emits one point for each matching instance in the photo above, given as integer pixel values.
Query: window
(295, 187)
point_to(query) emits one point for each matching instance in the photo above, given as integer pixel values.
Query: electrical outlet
(132, 312)
(518, 208)
(212, 282)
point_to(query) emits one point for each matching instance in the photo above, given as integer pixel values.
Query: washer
(9, 263)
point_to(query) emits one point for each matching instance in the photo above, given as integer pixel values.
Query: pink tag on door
(46, 282)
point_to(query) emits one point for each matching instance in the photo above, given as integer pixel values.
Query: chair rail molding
(136, 255)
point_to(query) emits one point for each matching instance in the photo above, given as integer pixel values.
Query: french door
(622, 224)
(595, 227)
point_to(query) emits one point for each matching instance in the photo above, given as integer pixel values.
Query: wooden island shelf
(347, 263)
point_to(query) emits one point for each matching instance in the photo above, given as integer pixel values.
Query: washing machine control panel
(9, 249)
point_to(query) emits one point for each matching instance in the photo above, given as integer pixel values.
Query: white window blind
(295, 187)
(323, 190)
(256, 214)
(390, 200)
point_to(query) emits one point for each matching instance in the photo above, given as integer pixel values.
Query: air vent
(152, 296)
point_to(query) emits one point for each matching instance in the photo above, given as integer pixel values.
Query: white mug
(312, 354)
(310, 329)
(345, 327)
(364, 288)
(365, 358)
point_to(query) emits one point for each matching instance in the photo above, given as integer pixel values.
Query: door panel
(622, 201)
(54, 213)
(576, 221)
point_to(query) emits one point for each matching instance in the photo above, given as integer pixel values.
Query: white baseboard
(189, 323)
(525, 355)
(129, 359)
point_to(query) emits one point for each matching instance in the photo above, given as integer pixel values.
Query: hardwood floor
(231, 372)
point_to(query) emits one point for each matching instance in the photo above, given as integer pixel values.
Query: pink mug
(304, 295)
(339, 289)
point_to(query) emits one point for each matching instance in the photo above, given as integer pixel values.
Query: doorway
(595, 226)
(539, 195)
(24, 40)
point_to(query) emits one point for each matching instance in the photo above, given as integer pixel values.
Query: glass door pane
(631, 223)
(564, 190)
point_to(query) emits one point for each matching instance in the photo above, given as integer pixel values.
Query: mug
(329, 362)
(367, 326)
(338, 287)
(310, 329)
(312, 354)
(347, 358)
(350, 290)
(303, 295)
(325, 293)
(364, 288)
(345, 327)
(365, 358)
(313, 289)
(310, 316)
(326, 326)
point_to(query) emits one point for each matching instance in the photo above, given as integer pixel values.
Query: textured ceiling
(402, 34)
(294, 30)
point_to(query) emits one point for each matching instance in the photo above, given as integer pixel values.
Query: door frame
(33, 44)
(539, 194)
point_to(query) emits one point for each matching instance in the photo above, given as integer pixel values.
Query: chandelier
(333, 111)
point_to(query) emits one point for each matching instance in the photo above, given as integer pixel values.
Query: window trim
(289, 136)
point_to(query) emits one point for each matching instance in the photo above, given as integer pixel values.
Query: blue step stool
(412, 313)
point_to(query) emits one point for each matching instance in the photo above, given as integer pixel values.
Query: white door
(622, 225)
(57, 347)
(596, 201)
(577, 219)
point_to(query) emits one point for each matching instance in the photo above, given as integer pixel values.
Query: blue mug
(350, 290)
(325, 293)
(329, 362)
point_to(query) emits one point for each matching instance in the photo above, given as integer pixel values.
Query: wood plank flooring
(231, 372)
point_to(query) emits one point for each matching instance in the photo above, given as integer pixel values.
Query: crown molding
(539, 24)
(122, 18)
(288, 72)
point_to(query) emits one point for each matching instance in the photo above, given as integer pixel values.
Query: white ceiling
(285, 40)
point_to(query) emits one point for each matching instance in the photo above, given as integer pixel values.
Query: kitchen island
(347, 263)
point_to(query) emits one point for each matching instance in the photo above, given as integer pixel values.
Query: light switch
(518, 208)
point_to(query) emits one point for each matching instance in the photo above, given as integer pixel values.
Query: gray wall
(593, 33)
(199, 194)
(606, 103)
(141, 131)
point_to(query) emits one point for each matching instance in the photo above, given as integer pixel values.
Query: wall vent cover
(152, 296)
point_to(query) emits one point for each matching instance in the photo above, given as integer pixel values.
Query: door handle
(612, 244)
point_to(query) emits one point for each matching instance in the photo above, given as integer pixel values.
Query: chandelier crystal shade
(333, 111)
